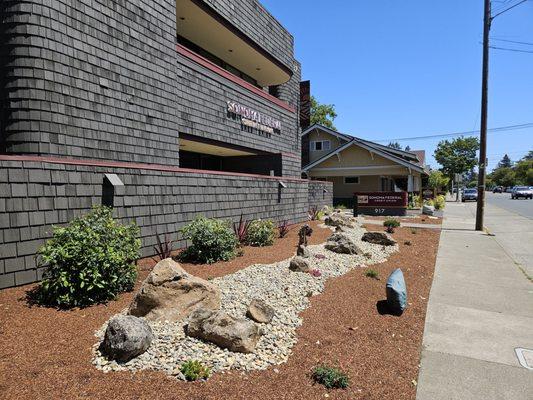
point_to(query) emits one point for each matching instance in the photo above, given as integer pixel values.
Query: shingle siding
(158, 201)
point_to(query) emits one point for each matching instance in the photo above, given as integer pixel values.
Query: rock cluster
(342, 243)
(338, 218)
(260, 311)
(169, 293)
(299, 264)
(285, 291)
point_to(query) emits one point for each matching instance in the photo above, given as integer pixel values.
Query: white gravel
(286, 291)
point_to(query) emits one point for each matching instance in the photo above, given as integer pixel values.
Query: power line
(512, 41)
(509, 49)
(465, 133)
(508, 8)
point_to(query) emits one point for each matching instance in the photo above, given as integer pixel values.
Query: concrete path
(480, 310)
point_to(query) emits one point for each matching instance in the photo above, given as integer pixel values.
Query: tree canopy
(323, 114)
(437, 180)
(394, 145)
(457, 156)
(505, 162)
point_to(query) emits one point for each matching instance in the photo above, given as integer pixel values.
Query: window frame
(322, 144)
(352, 183)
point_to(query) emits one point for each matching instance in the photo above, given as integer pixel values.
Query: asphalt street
(503, 200)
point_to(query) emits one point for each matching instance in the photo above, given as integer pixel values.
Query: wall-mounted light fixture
(110, 184)
(281, 185)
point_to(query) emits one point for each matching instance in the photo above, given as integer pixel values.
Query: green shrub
(194, 370)
(440, 202)
(212, 240)
(390, 224)
(330, 377)
(261, 233)
(89, 261)
(372, 273)
(429, 202)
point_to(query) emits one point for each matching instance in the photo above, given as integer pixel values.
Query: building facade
(165, 110)
(355, 165)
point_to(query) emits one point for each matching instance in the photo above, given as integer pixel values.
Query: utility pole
(487, 20)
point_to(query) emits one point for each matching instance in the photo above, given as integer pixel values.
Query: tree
(528, 156)
(522, 170)
(457, 156)
(505, 162)
(437, 180)
(503, 177)
(394, 145)
(323, 114)
(407, 148)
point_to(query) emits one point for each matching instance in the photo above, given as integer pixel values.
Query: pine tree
(505, 162)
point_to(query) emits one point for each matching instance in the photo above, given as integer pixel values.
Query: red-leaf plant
(241, 229)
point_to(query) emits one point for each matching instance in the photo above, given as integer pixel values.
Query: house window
(351, 180)
(320, 145)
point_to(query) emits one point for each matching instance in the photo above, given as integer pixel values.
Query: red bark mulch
(46, 354)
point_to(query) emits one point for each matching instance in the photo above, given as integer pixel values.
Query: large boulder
(396, 292)
(341, 243)
(126, 337)
(299, 264)
(226, 331)
(259, 311)
(339, 219)
(380, 238)
(169, 293)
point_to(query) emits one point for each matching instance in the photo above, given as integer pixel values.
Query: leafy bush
(212, 240)
(283, 229)
(194, 370)
(261, 233)
(89, 261)
(429, 202)
(372, 273)
(440, 202)
(390, 224)
(330, 377)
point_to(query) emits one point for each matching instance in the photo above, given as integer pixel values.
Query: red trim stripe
(131, 165)
(228, 75)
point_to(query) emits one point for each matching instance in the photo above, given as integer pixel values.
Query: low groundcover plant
(194, 370)
(331, 378)
(261, 232)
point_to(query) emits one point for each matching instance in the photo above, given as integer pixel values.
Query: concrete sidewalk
(480, 310)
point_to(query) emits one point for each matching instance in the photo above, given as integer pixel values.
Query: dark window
(354, 180)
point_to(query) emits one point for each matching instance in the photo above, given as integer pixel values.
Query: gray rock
(341, 243)
(396, 292)
(126, 337)
(378, 238)
(299, 264)
(302, 251)
(260, 311)
(428, 210)
(339, 219)
(226, 331)
(169, 293)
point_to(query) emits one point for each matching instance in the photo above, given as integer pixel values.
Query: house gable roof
(367, 146)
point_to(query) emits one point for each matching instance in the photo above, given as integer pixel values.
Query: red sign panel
(382, 203)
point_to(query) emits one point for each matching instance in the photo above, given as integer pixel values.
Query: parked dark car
(522, 192)
(497, 189)
(469, 194)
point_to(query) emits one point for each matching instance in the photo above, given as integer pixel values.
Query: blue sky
(398, 69)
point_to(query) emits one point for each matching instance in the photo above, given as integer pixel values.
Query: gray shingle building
(166, 109)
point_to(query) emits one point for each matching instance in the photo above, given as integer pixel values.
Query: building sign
(380, 203)
(305, 104)
(254, 119)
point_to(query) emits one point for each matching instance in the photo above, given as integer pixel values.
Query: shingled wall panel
(34, 196)
(91, 78)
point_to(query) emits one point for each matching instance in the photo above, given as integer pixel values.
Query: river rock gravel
(285, 291)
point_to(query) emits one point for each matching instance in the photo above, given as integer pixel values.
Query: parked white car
(522, 191)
